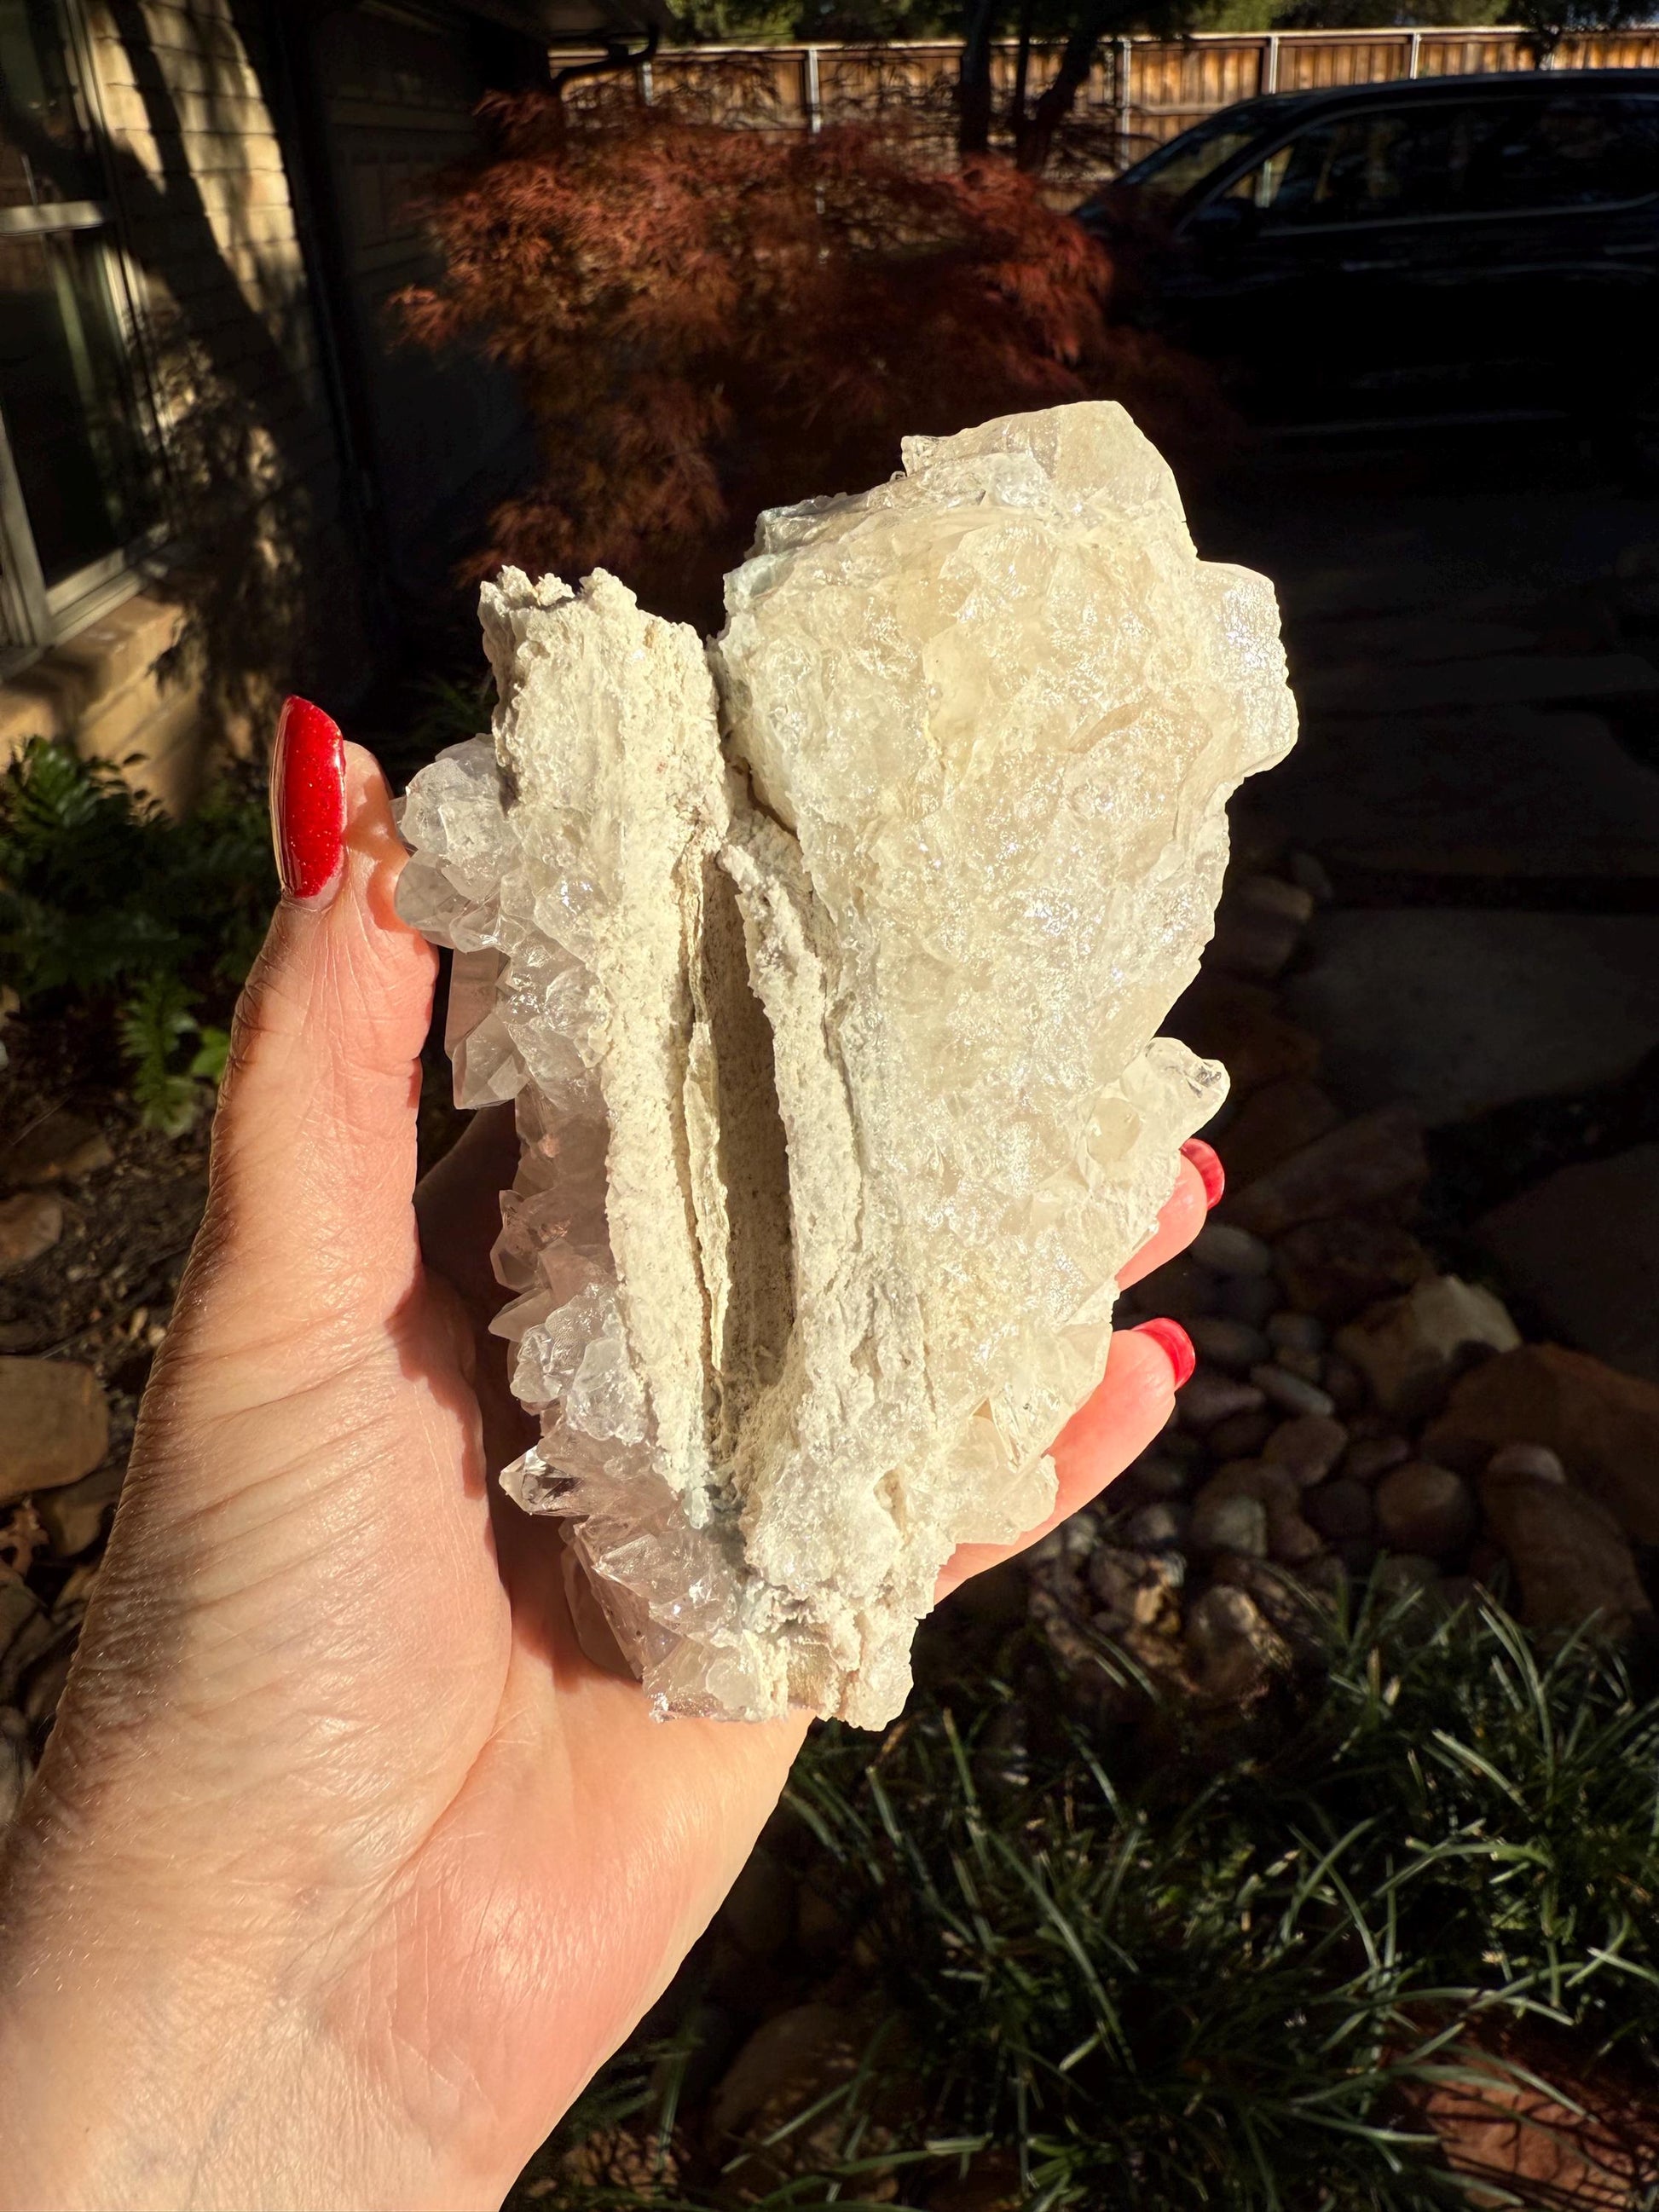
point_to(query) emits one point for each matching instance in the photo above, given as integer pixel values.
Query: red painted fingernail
(308, 800)
(1210, 1172)
(1175, 1342)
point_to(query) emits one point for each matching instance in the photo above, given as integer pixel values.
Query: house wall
(318, 479)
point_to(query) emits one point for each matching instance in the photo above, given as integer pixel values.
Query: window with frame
(76, 487)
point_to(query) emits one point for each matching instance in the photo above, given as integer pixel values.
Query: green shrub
(108, 903)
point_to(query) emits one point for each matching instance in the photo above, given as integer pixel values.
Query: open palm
(347, 1864)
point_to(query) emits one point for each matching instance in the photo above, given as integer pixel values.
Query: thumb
(309, 1208)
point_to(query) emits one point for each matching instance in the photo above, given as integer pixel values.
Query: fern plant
(106, 902)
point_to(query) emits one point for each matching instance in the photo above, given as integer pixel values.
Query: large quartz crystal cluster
(825, 965)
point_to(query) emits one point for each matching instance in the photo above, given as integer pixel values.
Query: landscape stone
(1296, 1332)
(1240, 1024)
(1582, 1245)
(54, 1424)
(1410, 1349)
(1537, 1461)
(1230, 1344)
(1292, 1393)
(1153, 1526)
(1308, 1446)
(1375, 1160)
(1271, 894)
(1232, 1251)
(30, 1223)
(1340, 1510)
(1345, 1384)
(1422, 1507)
(1210, 1396)
(1269, 1125)
(73, 1516)
(61, 1148)
(1570, 1555)
(1241, 1436)
(1367, 1457)
(1230, 1647)
(1336, 1268)
(1602, 1425)
(1248, 1298)
(1231, 1522)
(1457, 1012)
(824, 968)
(1255, 945)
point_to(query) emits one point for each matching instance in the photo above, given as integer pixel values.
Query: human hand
(346, 1866)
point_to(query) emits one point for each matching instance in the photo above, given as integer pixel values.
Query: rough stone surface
(1410, 1349)
(1309, 1447)
(1570, 1555)
(30, 1223)
(1458, 1012)
(1422, 1507)
(60, 1148)
(1336, 1268)
(836, 1077)
(1602, 1425)
(54, 1424)
(1377, 1160)
(1581, 1245)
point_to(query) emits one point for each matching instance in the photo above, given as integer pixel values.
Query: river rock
(1375, 1160)
(1570, 1555)
(73, 1516)
(1336, 1268)
(1273, 1122)
(1422, 1507)
(30, 1223)
(62, 1148)
(1230, 1647)
(54, 1424)
(1341, 1511)
(1209, 1396)
(1229, 1522)
(1292, 1393)
(1229, 1250)
(1603, 1427)
(1230, 1344)
(1241, 1436)
(1410, 1349)
(1367, 1457)
(1310, 1446)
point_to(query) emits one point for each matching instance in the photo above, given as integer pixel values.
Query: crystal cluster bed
(824, 963)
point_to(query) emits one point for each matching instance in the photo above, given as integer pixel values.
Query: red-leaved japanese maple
(706, 321)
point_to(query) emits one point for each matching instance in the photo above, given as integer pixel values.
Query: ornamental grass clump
(1262, 1968)
(707, 321)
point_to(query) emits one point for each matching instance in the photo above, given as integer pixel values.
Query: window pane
(1381, 164)
(43, 152)
(1573, 151)
(66, 401)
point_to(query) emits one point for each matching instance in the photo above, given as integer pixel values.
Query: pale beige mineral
(829, 989)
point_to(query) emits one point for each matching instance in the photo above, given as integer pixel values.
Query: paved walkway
(1477, 668)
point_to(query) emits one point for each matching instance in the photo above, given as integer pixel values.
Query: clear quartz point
(824, 966)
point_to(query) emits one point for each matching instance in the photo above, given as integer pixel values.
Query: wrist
(163, 2047)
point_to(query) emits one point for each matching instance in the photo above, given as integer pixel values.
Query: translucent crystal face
(825, 970)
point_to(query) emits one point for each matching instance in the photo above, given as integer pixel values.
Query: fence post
(1414, 47)
(814, 104)
(647, 89)
(1122, 88)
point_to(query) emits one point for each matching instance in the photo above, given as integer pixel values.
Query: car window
(1363, 167)
(1177, 169)
(1572, 151)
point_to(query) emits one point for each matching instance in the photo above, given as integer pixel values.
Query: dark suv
(1439, 250)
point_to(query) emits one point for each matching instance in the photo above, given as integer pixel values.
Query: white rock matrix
(824, 963)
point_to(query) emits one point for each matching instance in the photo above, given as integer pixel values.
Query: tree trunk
(1022, 74)
(1060, 97)
(974, 97)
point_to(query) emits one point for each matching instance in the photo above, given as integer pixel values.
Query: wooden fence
(1139, 92)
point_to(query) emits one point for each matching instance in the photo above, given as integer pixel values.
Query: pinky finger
(1145, 1368)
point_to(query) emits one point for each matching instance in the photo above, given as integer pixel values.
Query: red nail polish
(1176, 1345)
(1210, 1172)
(307, 799)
